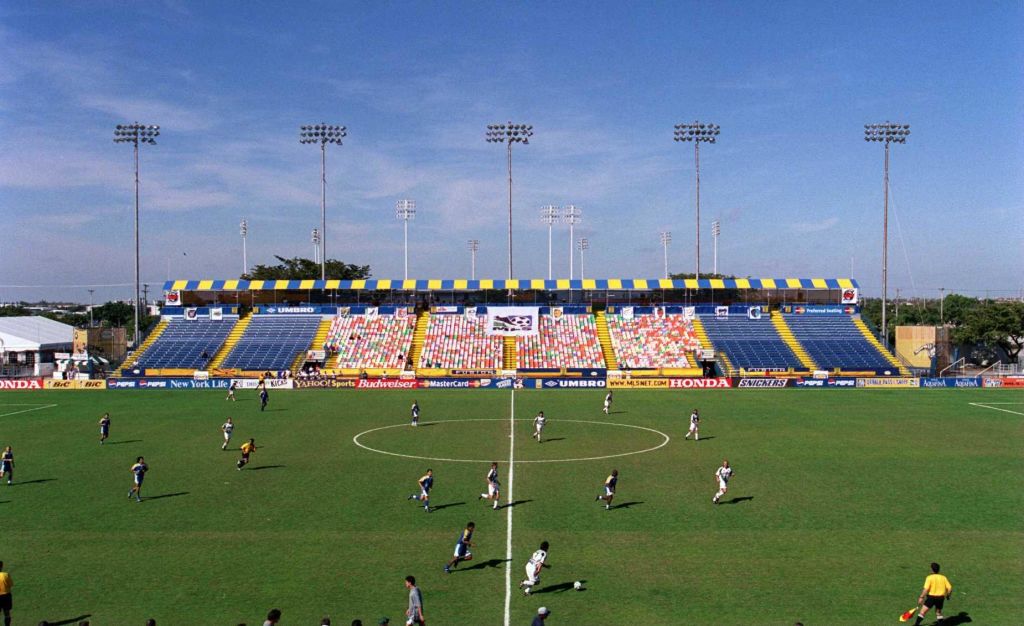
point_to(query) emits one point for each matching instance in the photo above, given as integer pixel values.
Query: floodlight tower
(549, 215)
(243, 229)
(315, 239)
(135, 134)
(716, 230)
(405, 210)
(323, 134)
(583, 245)
(474, 245)
(509, 134)
(572, 215)
(666, 238)
(887, 133)
(698, 133)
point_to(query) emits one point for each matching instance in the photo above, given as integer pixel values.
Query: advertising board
(945, 383)
(638, 383)
(449, 383)
(326, 383)
(1009, 382)
(569, 383)
(499, 383)
(699, 383)
(377, 383)
(887, 383)
(823, 383)
(186, 383)
(12, 384)
(762, 383)
(269, 383)
(74, 384)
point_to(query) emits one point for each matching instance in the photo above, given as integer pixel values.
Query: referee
(935, 593)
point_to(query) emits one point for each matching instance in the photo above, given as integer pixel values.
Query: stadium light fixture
(572, 215)
(886, 132)
(509, 134)
(583, 245)
(666, 238)
(716, 230)
(474, 245)
(323, 134)
(549, 215)
(315, 239)
(405, 210)
(135, 134)
(243, 229)
(698, 133)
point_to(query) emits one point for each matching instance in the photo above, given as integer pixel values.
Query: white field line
(508, 536)
(995, 408)
(36, 408)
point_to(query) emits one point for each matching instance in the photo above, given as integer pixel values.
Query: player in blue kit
(139, 471)
(462, 547)
(425, 482)
(415, 413)
(609, 489)
(7, 464)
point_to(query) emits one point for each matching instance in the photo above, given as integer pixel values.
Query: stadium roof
(31, 333)
(635, 284)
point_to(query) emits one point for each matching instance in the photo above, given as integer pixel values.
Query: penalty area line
(37, 408)
(995, 408)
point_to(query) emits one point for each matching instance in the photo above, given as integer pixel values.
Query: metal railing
(960, 365)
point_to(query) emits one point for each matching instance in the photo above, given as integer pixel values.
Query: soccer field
(839, 501)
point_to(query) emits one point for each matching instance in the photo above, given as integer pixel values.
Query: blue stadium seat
(835, 341)
(271, 342)
(750, 344)
(183, 343)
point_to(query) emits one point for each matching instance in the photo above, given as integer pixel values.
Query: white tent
(34, 333)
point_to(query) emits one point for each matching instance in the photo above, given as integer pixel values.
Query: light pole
(315, 239)
(474, 245)
(135, 134)
(942, 303)
(509, 134)
(583, 244)
(697, 133)
(716, 230)
(549, 215)
(90, 307)
(244, 231)
(572, 215)
(666, 238)
(887, 133)
(323, 134)
(405, 210)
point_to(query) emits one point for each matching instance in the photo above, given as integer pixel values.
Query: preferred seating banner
(513, 321)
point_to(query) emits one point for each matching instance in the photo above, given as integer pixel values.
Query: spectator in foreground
(542, 615)
(414, 614)
(273, 617)
(5, 594)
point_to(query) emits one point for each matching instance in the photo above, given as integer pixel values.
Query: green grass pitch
(839, 502)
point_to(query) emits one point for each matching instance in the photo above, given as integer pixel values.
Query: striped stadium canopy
(601, 284)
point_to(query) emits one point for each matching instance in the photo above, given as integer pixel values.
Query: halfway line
(508, 537)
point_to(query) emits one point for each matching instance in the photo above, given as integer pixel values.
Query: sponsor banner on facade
(721, 312)
(325, 383)
(626, 312)
(567, 383)
(699, 383)
(11, 384)
(172, 298)
(638, 383)
(512, 321)
(850, 296)
(74, 384)
(191, 314)
(818, 309)
(821, 383)
(316, 355)
(762, 383)
(754, 313)
(471, 373)
(445, 309)
(377, 383)
(891, 383)
(934, 383)
(269, 383)
(289, 310)
(216, 314)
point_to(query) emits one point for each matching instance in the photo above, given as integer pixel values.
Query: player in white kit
(227, 428)
(722, 475)
(694, 426)
(608, 402)
(538, 425)
(533, 567)
(493, 486)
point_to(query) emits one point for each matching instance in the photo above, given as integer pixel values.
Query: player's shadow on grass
(71, 620)
(445, 506)
(513, 504)
(259, 467)
(117, 443)
(486, 564)
(559, 588)
(705, 439)
(553, 439)
(959, 618)
(625, 505)
(33, 482)
(739, 499)
(166, 495)
(425, 424)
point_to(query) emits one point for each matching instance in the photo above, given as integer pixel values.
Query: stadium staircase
(705, 342)
(419, 335)
(150, 340)
(610, 361)
(511, 360)
(319, 339)
(864, 330)
(787, 337)
(236, 333)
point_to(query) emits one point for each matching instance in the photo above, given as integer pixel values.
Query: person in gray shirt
(414, 614)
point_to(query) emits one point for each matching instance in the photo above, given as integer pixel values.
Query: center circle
(552, 437)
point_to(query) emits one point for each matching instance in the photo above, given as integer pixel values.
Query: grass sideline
(840, 500)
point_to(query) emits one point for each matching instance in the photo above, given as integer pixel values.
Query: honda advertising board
(699, 383)
(762, 383)
(11, 384)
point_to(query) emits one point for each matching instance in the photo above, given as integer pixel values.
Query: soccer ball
(577, 585)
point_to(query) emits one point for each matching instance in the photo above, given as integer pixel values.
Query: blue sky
(797, 190)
